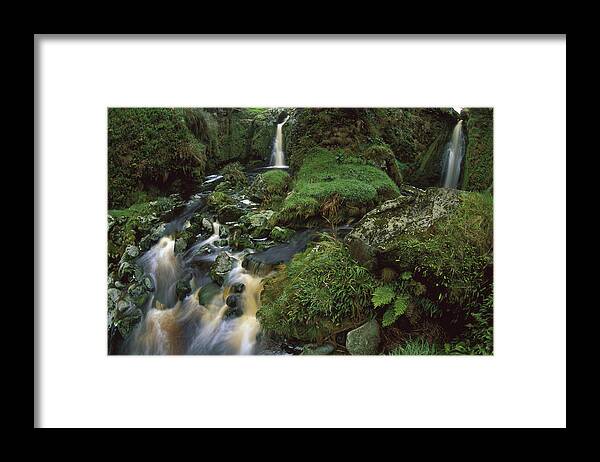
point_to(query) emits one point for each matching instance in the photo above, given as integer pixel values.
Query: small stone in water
(238, 288)
(232, 301)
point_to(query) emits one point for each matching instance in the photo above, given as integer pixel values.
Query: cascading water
(277, 155)
(453, 156)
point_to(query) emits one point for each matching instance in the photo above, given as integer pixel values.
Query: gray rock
(207, 225)
(364, 340)
(314, 350)
(223, 264)
(230, 213)
(376, 233)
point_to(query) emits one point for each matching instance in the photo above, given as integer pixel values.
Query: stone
(238, 288)
(314, 350)
(280, 234)
(148, 283)
(232, 300)
(364, 340)
(207, 225)
(223, 264)
(229, 213)
(183, 288)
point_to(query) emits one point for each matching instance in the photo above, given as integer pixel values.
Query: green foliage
(416, 347)
(151, 150)
(218, 199)
(479, 158)
(234, 174)
(128, 226)
(383, 295)
(320, 290)
(479, 337)
(275, 181)
(322, 179)
(455, 254)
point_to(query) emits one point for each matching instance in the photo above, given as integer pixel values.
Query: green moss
(276, 181)
(479, 159)
(218, 199)
(150, 150)
(330, 184)
(321, 290)
(416, 346)
(234, 174)
(455, 253)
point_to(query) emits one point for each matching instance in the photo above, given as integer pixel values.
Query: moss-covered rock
(332, 186)
(479, 158)
(150, 153)
(269, 185)
(364, 340)
(321, 290)
(443, 237)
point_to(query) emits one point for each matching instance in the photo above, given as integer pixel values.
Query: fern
(383, 296)
(401, 304)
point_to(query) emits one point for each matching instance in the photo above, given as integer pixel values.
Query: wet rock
(313, 350)
(233, 312)
(223, 231)
(180, 245)
(281, 234)
(207, 225)
(238, 288)
(113, 295)
(364, 340)
(158, 232)
(230, 213)
(148, 283)
(208, 293)
(221, 242)
(232, 301)
(183, 288)
(415, 212)
(223, 264)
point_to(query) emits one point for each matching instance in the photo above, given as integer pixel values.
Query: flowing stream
(453, 156)
(212, 318)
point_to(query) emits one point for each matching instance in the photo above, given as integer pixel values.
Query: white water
(172, 326)
(453, 156)
(277, 155)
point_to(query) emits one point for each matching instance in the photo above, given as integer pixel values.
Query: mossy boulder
(364, 340)
(269, 185)
(221, 267)
(443, 237)
(320, 291)
(333, 186)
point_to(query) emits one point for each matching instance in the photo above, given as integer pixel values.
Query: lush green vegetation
(416, 346)
(321, 290)
(333, 186)
(455, 254)
(479, 163)
(420, 271)
(150, 150)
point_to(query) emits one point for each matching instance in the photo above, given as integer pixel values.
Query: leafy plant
(416, 347)
(319, 291)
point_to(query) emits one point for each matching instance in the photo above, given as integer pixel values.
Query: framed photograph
(282, 219)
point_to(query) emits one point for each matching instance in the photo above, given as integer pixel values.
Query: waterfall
(277, 156)
(453, 156)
